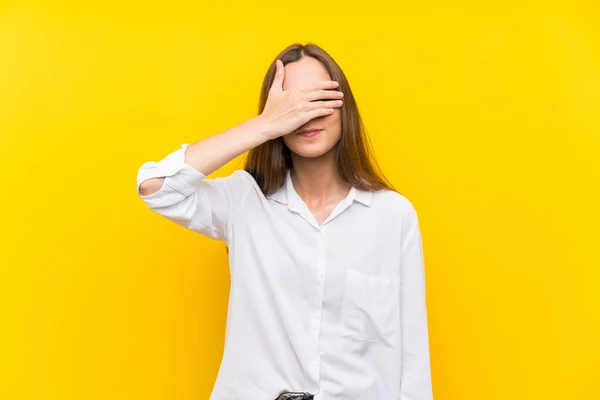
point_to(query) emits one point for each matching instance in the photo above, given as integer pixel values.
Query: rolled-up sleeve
(415, 380)
(188, 198)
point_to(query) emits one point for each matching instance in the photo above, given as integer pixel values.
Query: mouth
(309, 132)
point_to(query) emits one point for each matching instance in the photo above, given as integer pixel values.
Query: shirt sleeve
(188, 198)
(415, 381)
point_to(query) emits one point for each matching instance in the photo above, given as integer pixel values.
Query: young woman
(327, 297)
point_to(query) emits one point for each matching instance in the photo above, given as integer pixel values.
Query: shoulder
(244, 178)
(236, 184)
(246, 184)
(238, 177)
(394, 204)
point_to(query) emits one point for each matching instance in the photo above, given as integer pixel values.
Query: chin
(312, 150)
(309, 153)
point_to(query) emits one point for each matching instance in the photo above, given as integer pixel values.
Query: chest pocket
(370, 308)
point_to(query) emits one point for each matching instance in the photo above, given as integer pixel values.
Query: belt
(295, 396)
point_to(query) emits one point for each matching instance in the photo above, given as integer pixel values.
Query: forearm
(211, 153)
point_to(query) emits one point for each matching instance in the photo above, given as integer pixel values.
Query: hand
(287, 110)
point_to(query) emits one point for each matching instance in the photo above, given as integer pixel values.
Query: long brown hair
(268, 162)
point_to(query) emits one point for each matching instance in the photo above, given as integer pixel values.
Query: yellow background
(485, 114)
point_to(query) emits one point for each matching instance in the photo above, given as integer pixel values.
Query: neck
(317, 180)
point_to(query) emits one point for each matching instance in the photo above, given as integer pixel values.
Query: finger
(279, 74)
(324, 94)
(320, 85)
(319, 112)
(324, 104)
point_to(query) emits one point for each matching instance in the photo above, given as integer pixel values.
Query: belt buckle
(295, 396)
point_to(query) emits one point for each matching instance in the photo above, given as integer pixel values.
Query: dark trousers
(295, 396)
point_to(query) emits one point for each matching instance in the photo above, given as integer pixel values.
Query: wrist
(263, 127)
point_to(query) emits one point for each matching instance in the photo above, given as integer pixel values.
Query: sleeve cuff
(178, 174)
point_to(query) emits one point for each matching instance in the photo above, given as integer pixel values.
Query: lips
(309, 132)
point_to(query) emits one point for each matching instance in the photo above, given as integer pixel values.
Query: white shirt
(337, 310)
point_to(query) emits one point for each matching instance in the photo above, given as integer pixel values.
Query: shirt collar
(287, 195)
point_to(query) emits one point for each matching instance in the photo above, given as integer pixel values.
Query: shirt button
(321, 275)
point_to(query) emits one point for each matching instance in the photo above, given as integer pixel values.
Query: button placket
(321, 266)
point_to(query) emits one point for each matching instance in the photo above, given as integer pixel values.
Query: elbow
(150, 186)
